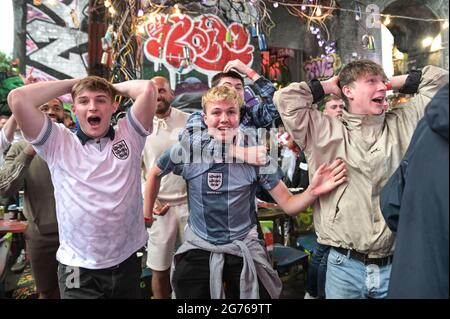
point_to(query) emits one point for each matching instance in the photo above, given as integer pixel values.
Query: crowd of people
(185, 185)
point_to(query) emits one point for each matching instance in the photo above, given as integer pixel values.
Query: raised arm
(25, 100)
(325, 179)
(264, 113)
(144, 94)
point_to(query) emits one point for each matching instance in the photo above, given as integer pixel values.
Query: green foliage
(6, 65)
(9, 80)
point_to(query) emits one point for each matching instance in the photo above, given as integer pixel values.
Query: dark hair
(355, 69)
(230, 74)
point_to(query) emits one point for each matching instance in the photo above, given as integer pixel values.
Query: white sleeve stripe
(45, 133)
(136, 125)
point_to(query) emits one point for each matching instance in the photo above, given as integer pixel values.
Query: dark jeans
(117, 282)
(191, 276)
(317, 271)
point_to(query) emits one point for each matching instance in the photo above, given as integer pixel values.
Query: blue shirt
(221, 196)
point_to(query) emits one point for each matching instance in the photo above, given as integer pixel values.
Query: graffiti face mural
(204, 44)
(56, 46)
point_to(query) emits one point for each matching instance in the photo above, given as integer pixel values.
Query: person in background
(334, 106)
(171, 211)
(7, 136)
(68, 121)
(260, 115)
(23, 169)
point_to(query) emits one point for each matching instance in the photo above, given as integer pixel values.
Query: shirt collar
(84, 138)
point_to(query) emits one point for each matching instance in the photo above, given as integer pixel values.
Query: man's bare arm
(144, 94)
(24, 102)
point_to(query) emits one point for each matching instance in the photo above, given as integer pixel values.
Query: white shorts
(163, 237)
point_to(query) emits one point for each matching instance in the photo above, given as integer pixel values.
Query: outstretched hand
(328, 177)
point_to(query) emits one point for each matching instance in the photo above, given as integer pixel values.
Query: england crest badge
(120, 150)
(215, 180)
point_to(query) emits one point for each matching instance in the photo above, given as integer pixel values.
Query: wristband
(251, 74)
(316, 90)
(388, 86)
(412, 82)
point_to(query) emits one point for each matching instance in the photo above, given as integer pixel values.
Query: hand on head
(238, 66)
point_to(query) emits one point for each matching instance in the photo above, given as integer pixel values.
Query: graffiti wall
(190, 47)
(56, 39)
(322, 67)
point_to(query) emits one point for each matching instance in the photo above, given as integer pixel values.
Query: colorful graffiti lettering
(322, 68)
(204, 44)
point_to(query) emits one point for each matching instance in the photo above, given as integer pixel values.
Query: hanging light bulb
(140, 13)
(107, 3)
(112, 11)
(427, 41)
(176, 9)
(318, 11)
(140, 29)
(275, 4)
(387, 21)
(445, 25)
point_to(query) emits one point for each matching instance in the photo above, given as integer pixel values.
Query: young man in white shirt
(96, 175)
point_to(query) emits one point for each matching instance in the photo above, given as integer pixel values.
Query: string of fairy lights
(127, 20)
(314, 13)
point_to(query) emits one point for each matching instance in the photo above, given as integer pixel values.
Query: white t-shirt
(164, 135)
(97, 193)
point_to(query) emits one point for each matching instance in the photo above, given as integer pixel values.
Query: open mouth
(379, 100)
(94, 120)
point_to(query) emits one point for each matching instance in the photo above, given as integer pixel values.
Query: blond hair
(221, 94)
(93, 83)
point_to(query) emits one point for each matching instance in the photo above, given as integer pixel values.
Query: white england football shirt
(97, 193)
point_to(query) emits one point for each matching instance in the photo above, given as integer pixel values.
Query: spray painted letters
(205, 42)
(322, 68)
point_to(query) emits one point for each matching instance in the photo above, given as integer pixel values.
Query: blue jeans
(317, 269)
(351, 279)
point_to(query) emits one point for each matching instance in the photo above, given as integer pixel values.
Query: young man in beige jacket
(372, 142)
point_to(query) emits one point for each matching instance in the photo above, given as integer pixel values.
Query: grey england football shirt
(221, 196)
